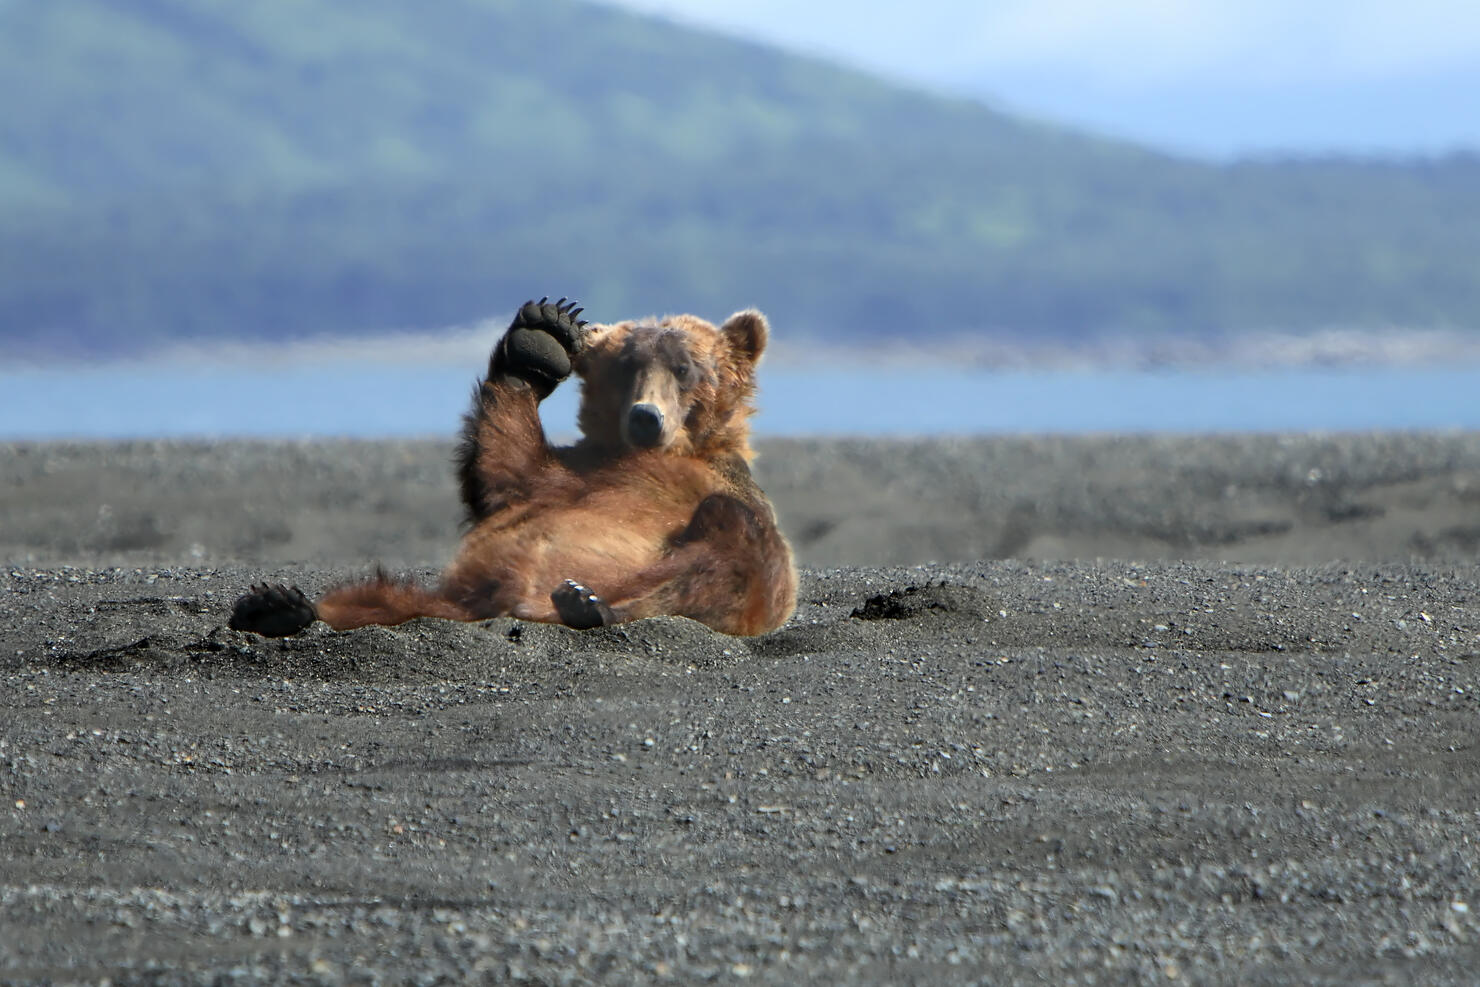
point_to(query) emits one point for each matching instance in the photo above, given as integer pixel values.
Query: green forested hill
(204, 168)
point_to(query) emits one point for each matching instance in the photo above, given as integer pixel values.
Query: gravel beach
(1078, 710)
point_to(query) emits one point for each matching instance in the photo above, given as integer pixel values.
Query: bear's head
(677, 384)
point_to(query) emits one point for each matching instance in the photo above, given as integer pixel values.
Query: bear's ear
(747, 333)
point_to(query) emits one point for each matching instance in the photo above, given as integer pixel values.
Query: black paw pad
(579, 607)
(560, 319)
(273, 610)
(540, 343)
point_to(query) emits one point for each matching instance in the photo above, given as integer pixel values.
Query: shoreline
(1328, 348)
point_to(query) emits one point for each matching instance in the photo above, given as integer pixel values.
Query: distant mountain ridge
(197, 169)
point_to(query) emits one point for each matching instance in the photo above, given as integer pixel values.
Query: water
(382, 400)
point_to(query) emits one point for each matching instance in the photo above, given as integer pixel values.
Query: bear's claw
(540, 343)
(560, 319)
(579, 607)
(273, 610)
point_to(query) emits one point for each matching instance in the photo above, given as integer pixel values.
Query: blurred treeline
(270, 169)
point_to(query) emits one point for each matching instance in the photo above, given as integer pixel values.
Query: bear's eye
(682, 372)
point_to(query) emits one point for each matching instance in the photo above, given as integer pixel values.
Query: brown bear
(652, 512)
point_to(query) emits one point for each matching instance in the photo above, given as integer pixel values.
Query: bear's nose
(645, 424)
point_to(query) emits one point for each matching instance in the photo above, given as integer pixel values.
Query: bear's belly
(511, 565)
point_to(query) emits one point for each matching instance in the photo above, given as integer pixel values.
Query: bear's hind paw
(580, 608)
(273, 610)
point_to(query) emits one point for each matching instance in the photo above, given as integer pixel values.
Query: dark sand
(1263, 769)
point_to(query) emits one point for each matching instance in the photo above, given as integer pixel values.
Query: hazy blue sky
(1214, 77)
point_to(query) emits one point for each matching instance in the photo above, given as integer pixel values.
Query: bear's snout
(645, 425)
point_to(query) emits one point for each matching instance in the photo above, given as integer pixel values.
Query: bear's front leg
(503, 443)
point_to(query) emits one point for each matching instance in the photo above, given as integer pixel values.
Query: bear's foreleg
(503, 443)
(730, 569)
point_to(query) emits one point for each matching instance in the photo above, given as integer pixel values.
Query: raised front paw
(579, 607)
(540, 343)
(273, 610)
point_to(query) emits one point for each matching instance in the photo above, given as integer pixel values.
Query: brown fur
(674, 527)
